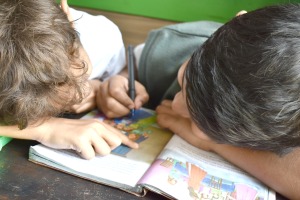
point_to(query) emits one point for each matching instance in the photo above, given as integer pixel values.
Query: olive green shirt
(165, 50)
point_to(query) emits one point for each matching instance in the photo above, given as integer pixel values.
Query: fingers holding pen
(113, 99)
(122, 97)
(142, 96)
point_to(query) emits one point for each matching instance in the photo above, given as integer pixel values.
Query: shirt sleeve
(103, 42)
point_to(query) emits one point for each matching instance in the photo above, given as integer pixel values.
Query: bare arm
(86, 136)
(14, 132)
(280, 173)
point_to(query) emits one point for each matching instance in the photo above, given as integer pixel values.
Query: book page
(124, 165)
(111, 167)
(186, 172)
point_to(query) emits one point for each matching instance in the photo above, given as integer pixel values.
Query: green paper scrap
(4, 141)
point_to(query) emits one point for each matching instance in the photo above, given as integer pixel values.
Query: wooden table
(21, 179)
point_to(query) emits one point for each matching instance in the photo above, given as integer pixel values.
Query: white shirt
(103, 42)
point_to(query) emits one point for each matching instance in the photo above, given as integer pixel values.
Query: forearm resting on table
(32, 132)
(278, 172)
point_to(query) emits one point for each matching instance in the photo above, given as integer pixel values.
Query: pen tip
(132, 112)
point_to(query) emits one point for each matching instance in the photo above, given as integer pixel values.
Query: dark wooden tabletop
(22, 179)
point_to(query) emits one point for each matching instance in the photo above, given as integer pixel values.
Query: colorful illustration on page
(135, 127)
(202, 185)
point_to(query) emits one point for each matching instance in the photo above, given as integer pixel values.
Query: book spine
(4, 141)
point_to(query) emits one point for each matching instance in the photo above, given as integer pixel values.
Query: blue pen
(131, 75)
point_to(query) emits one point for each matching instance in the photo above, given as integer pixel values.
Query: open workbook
(164, 163)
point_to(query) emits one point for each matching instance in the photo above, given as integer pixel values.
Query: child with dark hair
(240, 96)
(55, 59)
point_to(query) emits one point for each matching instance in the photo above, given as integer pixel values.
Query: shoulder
(96, 30)
(85, 21)
(102, 40)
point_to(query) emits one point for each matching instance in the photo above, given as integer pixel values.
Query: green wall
(178, 10)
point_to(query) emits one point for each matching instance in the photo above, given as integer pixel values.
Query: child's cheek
(200, 134)
(179, 105)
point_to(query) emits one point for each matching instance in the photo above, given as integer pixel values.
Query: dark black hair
(243, 83)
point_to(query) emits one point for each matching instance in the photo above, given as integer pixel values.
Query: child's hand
(113, 99)
(181, 126)
(89, 102)
(89, 137)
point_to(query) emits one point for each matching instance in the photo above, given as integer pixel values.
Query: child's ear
(65, 7)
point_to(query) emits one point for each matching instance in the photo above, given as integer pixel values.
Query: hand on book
(182, 126)
(88, 137)
(113, 100)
